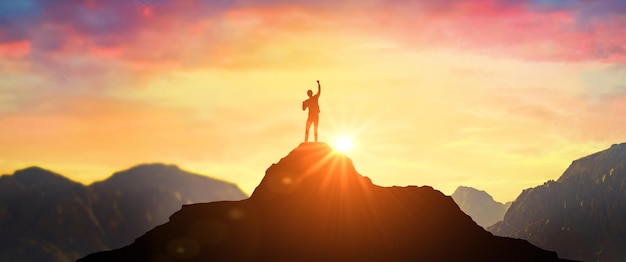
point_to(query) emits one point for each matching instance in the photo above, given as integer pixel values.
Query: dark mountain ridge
(581, 215)
(47, 217)
(479, 205)
(34, 179)
(313, 206)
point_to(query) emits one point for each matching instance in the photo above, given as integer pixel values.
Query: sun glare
(343, 144)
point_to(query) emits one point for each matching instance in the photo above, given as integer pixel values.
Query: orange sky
(497, 95)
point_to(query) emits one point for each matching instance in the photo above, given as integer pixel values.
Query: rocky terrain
(581, 215)
(47, 217)
(313, 206)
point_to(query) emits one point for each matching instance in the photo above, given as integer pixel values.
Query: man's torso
(313, 106)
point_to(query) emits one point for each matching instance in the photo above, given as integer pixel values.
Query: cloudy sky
(500, 95)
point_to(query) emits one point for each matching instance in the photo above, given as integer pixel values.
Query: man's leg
(306, 131)
(315, 127)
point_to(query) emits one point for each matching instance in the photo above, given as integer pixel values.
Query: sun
(343, 144)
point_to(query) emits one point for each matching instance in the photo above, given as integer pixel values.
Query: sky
(500, 95)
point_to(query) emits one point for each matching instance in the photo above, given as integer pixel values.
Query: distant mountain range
(479, 205)
(314, 206)
(581, 216)
(47, 217)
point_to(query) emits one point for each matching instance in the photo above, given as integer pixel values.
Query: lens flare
(343, 144)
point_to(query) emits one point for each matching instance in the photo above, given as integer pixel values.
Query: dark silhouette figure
(314, 111)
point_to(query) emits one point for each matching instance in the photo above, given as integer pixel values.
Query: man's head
(309, 93)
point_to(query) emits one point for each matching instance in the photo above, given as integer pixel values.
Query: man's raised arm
(319, 88)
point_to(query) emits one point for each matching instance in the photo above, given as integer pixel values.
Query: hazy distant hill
(47, 217)
(582, 215)
(313, 206)
(479, 205)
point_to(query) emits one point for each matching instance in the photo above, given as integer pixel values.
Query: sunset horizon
(497, 95)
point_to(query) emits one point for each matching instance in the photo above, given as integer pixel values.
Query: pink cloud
(500, 28)
(192, 33)
(15, 49)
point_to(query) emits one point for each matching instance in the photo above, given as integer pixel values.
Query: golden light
(343, 144)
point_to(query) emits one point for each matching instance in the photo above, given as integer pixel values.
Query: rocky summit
(313, 206)
(581, 215)
(479, 205)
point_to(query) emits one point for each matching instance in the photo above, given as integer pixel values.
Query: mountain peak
(150, 168)
(311, 165)
(146, 173)
(37, 177)
(621, 146)
(593, 167)
(169, 177)
(313, 206)
(479, 205)
(35, 171)
(466, 190)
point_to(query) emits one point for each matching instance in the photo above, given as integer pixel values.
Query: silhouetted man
(314, 111)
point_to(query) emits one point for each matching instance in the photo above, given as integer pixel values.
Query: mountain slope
(137, 199)
(479, 205)
(313, 206)
(581, 215)
(47, 217)
(40, 212)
